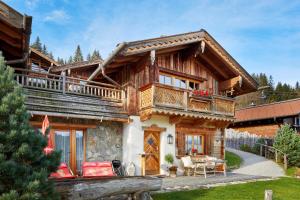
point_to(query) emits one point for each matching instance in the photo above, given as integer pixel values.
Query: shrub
(256, 147)
(169, 158)
(288, 141)
(246, 147)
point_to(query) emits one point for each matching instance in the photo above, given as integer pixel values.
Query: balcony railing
(158, 95)
(68, 85)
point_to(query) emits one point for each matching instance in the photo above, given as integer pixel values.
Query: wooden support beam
(212, 65)
(231, 83)
(15, 42)
(175, 119)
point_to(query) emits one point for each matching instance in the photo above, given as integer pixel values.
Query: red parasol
(49, 148)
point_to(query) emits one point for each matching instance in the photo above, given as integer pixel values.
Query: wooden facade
(188, 79)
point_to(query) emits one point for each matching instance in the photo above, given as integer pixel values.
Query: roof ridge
(163, 37)
(269, 104)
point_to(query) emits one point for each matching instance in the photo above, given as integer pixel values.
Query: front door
(151, 149)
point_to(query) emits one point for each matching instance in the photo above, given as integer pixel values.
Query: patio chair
(97, 169)
(188, 165)
(63, 172)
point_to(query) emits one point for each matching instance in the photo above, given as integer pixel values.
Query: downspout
(106, 62)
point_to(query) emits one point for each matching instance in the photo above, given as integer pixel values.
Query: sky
(262, 35)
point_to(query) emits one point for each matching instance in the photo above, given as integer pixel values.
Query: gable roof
(43, 56)
(143, 46)
(269, 111)
(76, 65)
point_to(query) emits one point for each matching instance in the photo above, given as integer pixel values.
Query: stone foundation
(105, 142)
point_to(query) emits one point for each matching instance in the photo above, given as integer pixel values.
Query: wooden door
(151, 149)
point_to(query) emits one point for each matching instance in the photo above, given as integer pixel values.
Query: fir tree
(88, 57)
(24, 167)
(70, 60)
(44, 50)
(50, 55)
(96, 56)
(78, 55)
(37, 44)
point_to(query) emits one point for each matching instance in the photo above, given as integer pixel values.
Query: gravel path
(257, 165)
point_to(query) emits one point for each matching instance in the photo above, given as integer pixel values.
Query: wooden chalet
(265, 120)
(149, 98)
(15, 30)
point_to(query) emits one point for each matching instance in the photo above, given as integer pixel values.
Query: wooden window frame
(202, 142)
(72, 144)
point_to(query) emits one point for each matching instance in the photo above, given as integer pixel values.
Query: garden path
(257, 165)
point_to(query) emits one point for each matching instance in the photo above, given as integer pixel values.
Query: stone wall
(105, 142)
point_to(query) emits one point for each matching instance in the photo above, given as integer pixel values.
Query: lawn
(233, 160)
(283, 189)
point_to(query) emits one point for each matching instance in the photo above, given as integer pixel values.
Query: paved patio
(195, 182)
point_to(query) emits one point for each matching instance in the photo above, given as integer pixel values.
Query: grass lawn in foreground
(283, 189)
(233, 160)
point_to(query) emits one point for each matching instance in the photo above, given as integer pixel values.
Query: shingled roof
(269, 111)
(143, 46)
(76, 65)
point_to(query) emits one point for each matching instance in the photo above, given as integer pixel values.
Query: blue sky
(262, 35)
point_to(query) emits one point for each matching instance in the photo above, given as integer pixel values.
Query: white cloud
(57, 16)
(31, 3)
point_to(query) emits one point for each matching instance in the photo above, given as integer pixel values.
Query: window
(71, 144)
(180, 83)
(163, 79)
(194, 142)
(193, 86)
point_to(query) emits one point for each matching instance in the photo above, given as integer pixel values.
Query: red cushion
(93, 169)
(63, 171)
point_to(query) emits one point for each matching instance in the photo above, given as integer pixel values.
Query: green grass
(291, 171)
(283, 189)
(233, 160)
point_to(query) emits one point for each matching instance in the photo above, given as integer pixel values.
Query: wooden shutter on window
(180, 142)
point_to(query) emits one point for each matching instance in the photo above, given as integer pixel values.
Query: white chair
(188, 165)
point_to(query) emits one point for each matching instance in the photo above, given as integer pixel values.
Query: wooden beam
(211, 64)
(154, 127)
(15, 42)
(230, 83)
(64, 125)
(175, 119)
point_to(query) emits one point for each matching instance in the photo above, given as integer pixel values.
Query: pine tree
(70, 60)
(88, 57)
(37, 44)
(50, 55)
(78, 55)
(44, 50)
(24, 167)
(96, 56)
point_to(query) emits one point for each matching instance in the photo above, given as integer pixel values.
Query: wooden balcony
(66, 96)
(169, 98)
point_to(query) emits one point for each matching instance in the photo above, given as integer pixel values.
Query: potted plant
(194, 152)
(172, 168)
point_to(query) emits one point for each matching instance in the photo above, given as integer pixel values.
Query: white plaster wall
(133, 141)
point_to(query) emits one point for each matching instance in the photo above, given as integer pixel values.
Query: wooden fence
(234, 139)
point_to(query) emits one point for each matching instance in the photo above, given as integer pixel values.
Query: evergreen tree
(24, 167)
(60, 61)
(44, 50)
(96, 56)
(50, 55)
(88, 57)
(37, 44)
(78, 55)
(70, 60)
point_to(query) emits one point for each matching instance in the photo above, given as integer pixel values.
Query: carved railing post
(185, 100)
(64, 82)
